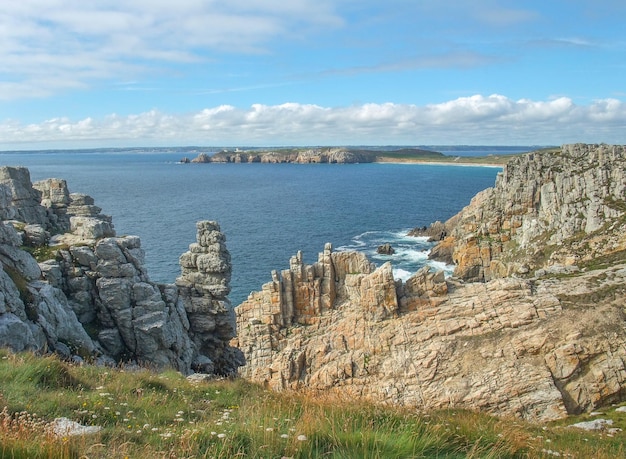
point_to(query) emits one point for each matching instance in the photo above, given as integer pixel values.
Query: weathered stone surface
(537, 348)
(20, 200)
(507, 346)
(203, 285)
(546, 208)
(98, 281)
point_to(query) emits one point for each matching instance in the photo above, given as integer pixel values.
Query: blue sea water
(267, 211)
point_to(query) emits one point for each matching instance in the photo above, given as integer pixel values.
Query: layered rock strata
(90, 297)
(534, 343)
(510, 346)
(547, 208)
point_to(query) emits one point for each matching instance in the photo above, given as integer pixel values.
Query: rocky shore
(68, 285)
(541, 335)
(532, 324)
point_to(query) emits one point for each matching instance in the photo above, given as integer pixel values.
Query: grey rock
(35, 235)
(20, 261)
(57, 319)
(84, 256)
(111, 341)
(16, 334)
(52, 272)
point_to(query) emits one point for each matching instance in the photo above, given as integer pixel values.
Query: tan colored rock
(527, 342)
(544, 207)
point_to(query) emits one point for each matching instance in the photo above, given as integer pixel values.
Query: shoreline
(442, 163)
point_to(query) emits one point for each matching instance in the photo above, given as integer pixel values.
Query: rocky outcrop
(318, 155)
(547, 208)
(535, 344)
(89, 296)
(203, 287)
(510, 346)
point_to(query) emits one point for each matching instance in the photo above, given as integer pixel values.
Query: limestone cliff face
(547, 208)
(90, 296)
(534, 345)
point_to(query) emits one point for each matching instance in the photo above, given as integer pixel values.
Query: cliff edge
(68, 285)
(535, 343)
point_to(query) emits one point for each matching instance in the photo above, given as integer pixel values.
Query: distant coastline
(461, 155)
(341, 155)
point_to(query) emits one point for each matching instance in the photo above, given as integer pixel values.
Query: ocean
(268, 212)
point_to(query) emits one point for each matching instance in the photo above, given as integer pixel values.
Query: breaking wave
(410, 253)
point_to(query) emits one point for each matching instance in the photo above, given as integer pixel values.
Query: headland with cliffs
(531, 325)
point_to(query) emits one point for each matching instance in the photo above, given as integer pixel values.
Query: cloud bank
(484, 120)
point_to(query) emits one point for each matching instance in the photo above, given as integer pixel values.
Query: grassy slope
(145, 414)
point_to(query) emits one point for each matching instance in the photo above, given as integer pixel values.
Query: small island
(342, 155)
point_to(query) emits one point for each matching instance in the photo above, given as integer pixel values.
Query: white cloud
(478, 119)
(79, 42)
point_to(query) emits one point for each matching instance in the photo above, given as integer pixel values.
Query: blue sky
(311, 72)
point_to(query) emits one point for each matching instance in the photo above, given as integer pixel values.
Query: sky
(113, 73)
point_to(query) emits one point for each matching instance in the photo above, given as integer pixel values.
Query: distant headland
(353, 155)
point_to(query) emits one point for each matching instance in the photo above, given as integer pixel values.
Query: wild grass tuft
(145, 414)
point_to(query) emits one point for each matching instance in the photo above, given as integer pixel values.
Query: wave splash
(411, 253)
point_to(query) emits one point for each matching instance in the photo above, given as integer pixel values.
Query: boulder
(385, 249)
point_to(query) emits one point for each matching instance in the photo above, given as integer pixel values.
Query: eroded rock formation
(534, 345)
(90, 297)
(547, 208)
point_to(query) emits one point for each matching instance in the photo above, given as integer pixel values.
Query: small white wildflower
(222, 435)
(301, 437)
(213, 433)
(284, 436)
(269, 429)
(145, 426)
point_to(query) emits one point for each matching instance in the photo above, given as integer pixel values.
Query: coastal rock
(95, 281)
(507, 346)
(304, 156)
(203, 285)
(537, 348)
(385, 249)
(547, 208)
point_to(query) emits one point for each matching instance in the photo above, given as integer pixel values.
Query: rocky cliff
(316, 155)
(537, 345)
(70, 286)
(547, 210)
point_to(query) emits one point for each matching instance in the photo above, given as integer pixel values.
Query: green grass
(145, 414)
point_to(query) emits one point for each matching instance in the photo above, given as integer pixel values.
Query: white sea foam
(402, 274)
(441, 266)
